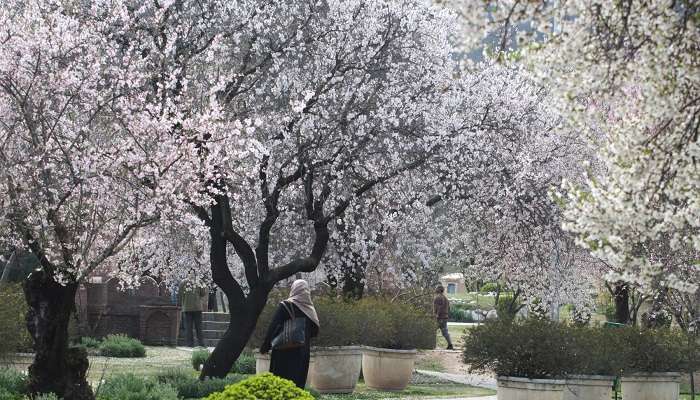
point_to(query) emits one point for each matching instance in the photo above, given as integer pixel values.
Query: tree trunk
(353, 278)
(244, 318)
(56, 368)
(621, 295)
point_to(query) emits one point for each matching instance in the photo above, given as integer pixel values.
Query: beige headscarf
(300, 295)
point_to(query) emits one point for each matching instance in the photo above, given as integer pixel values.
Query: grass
(157, 359)
(430, 364)
(456, 334)
(413, 391)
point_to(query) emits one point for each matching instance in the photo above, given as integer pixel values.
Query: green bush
(121, 346)
(90, 342)
(489, 287)
(132, 387)
(508, 307)
(654, 350)
(189, 386)
(610, 313)
(245, 365)
(12, 382)
(265, 386)
(371, 321)
(545, 349)
(199, 357)
(13, 328)
(5, 395)
(46, 396)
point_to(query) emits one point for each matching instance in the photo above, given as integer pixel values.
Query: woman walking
(292, 361)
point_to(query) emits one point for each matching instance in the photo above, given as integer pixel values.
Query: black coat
(292, 364)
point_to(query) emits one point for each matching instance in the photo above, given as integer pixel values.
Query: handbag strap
(289, 308)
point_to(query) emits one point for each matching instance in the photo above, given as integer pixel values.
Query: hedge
(121, 346)
(544, 349)
(371, 321)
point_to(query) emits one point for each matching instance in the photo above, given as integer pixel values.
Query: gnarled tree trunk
(621, 296)
(56, 368)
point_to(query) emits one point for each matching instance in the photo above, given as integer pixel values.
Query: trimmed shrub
(132, 387)
(370, 321)
(12, 382)
(189, 386)
(199, 357)
(121, 346)
(653, 350)
(90, 342)
(13, 327)
(46, 396)
(265, 386)
(545, 349)
(245, 365)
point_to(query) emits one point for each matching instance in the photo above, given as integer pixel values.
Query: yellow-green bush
(265, 386)
(14, 336)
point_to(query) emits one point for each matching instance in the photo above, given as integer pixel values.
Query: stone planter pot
(262, 365)
(336, 369)
(513, 388)
(651, 386)
(389, 370)
(588, 387)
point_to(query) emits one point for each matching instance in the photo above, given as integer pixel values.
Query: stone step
(214, 325)
(215, 317)
(208, 342)
(212, 334)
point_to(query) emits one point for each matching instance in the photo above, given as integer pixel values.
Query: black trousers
(193, 321)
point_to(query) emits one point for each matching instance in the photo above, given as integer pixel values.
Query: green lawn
(456, 334)
(413, 391)
(157, 359)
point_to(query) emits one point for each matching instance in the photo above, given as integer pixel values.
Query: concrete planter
(336, 369)
(262, 365)
(588, 387)
(651, 386)
(512, 388)
(388, 370)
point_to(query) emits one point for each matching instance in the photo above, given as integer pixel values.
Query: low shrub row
(371, 321)
(188, 386)
(545, 349)
(244, 365)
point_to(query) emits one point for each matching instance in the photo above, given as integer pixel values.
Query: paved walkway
(482, 381)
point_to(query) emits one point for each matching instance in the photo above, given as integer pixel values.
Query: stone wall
(145, 313)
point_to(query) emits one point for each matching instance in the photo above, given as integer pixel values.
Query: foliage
(544, 349)
(133, 387)
(531, 349)
(90, 342)
(370, 321)
(265, 386)
(655, 350)
(190, 387)
(121, 346)
(12, 382)
(244, 365)
(46, 396)
(13, 329)
(199, 357)
(610, 313)
(489, 287)
(508, 306)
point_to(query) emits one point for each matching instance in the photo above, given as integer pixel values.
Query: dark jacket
(441, 307)
(292, 364)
